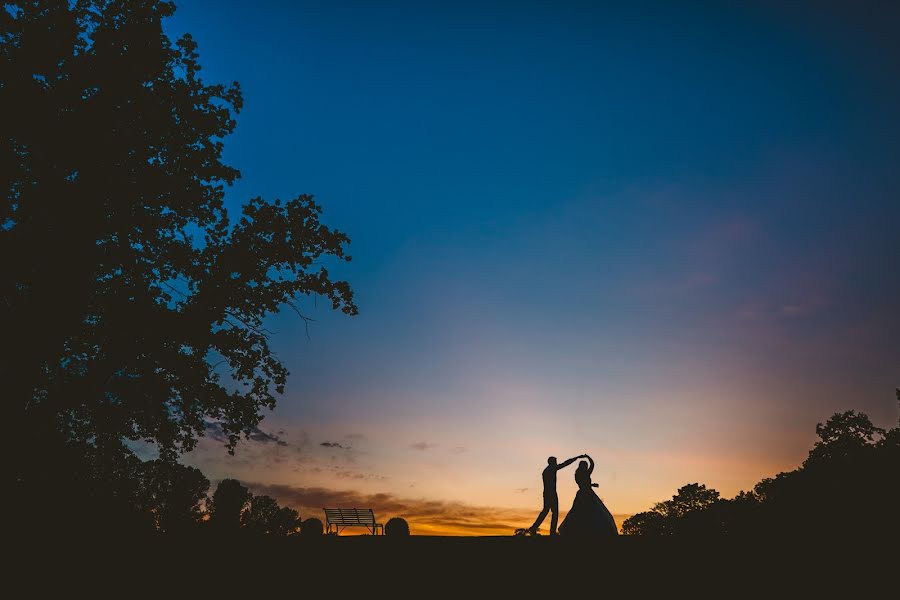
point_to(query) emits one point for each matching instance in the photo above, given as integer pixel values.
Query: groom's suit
(551, 500)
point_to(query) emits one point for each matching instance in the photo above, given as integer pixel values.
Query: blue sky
(666, 236)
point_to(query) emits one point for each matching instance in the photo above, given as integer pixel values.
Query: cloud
(258, 435)
(357, 476)
(344, 451)
(458, 450)
(521, 490)
(214, 430)
(422, 446)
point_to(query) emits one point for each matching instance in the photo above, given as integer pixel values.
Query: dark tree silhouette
(396, 527)
(259, 514)
(666, 517)
(228, 503)
(693, 496)
(286, 521)
(233, 506)
(645, 523)
(173, 494)
(847, 486)
(132, 304)
(844, 435)
(103, 488)
(312, 527)
(891, 440)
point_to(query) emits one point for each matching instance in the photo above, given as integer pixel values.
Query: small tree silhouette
(228, 503)
(397, 527)
(688, 498)
(260, 514)
(312, 527)
(644, 523)
(686, 512)
(285, 522)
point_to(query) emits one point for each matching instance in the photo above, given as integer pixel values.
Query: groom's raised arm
(566, 463)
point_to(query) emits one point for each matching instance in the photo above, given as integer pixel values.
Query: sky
(663, 234)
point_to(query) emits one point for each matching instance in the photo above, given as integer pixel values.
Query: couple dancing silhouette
(588, 517)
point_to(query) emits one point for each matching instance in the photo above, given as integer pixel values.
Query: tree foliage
(132, 303)
(312, 528)
(649, 522)
(396, 527)
(173, 493)
(228, 503)
(234, 507)
(689, 498)
(844, 435)
(847, 484)
(285, 521)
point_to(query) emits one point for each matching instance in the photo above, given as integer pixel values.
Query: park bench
(337, 519)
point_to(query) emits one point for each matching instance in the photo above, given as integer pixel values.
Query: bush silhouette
(312, 527)
(397, 527)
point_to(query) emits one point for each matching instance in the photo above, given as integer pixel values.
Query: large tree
(132, 305)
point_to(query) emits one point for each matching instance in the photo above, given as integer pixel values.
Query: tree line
(92, 491)
(848, 485)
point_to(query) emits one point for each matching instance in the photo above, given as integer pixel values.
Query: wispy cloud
(345, 451)
(357, 475)
(258, 435)
(422, 446)
(214, 430)
(458, 450)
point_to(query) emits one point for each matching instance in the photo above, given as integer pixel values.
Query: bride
(588, 517)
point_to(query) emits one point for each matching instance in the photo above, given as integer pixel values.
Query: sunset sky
(666, 236)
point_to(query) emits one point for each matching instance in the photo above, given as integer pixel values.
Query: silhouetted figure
(551, 501)
(588, 517)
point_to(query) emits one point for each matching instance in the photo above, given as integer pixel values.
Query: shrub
(397, 527)
(312, 527)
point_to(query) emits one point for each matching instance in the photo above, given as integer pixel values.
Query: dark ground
(449, 567)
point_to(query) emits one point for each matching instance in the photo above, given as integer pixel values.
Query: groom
(551, 501)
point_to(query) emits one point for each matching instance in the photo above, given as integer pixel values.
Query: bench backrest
(350, 516)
